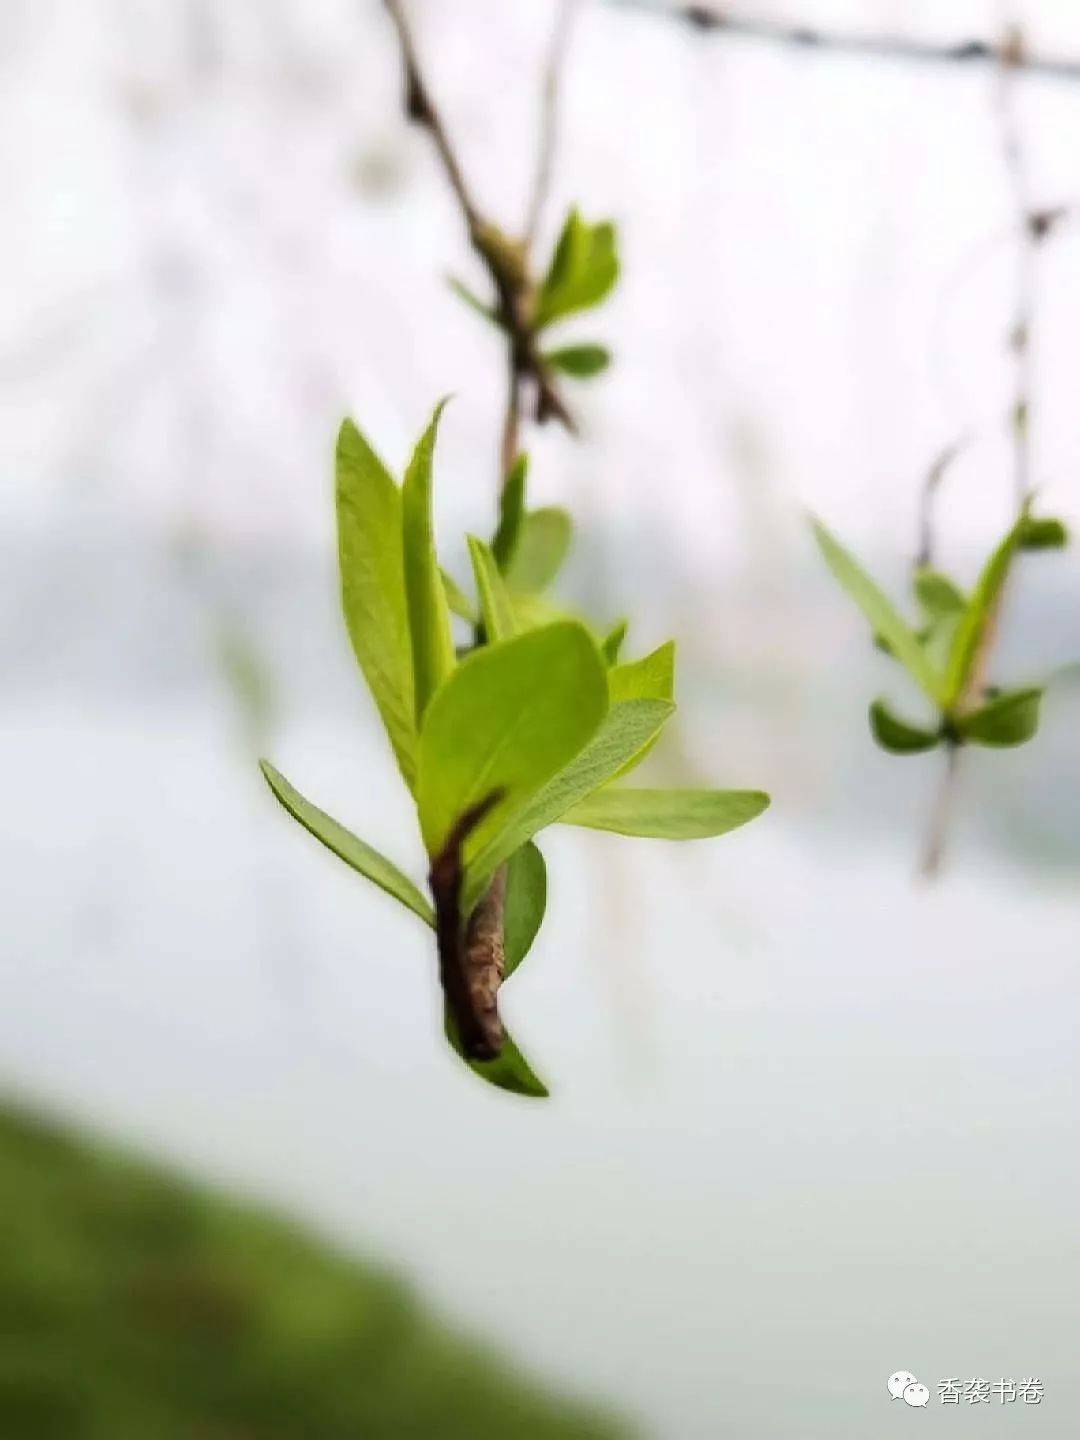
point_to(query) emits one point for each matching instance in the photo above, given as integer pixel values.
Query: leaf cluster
(580, 274)
(528, 724)
(944, 650)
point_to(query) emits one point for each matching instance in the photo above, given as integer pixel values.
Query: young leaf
(1044, 534)
(496, 607)
(627, 730)
(612, 642)
(508, 719)
(543, 540)
(580, 361)
(457, 600)
(980, 607)
(346, 846)
(1008, 719)
(583, 269)
(650, 678)
(511, 513)
(508, 1071)
(429, 614)
(489, 312)
(937, 594)
(878, 610)
(898, 736)
(526, 900)
(668, 814)
(373, 587)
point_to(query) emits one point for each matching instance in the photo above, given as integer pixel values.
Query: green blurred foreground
(134, 1307)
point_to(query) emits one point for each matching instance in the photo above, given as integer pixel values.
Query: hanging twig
(719, 21)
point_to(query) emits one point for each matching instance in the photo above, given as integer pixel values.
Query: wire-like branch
(719, 21)
(549, 118)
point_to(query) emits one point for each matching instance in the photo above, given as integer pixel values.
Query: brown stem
(506, 259)
(470, 978)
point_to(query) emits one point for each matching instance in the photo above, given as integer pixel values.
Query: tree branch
(505, 258)
(718, 21)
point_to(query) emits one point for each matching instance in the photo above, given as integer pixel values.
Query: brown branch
(505, 258)
(718, 21)
(470, 951)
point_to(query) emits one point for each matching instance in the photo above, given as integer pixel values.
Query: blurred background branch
(719, 20)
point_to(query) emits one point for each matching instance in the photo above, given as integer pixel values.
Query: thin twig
(549, 118)
(505, 258)
(718, 21)
(421, 108)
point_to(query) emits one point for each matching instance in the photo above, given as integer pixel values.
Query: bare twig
(549, 118)
(719, 21)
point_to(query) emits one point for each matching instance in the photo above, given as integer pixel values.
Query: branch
(714, 20)
(505, 258)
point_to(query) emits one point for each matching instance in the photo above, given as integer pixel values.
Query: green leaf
(627, 730)
(612, 642)
(526, 900)
(346, 846)
(668, 814)
(373, 587)
(511, 513)
(878, 610)
(583, 269)
(457, 600)
(650, 678)
(1008, 719)
(898, 736)
(543, 540)
(489, 312)
(580, 361)
(508, 1071)
(1044, 534)
(937, 594)
(496, 607)
(429, 614)
(973, 622)
(511, 716)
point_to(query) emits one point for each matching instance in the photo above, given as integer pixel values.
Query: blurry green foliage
(944, 653)
(137, 1307)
